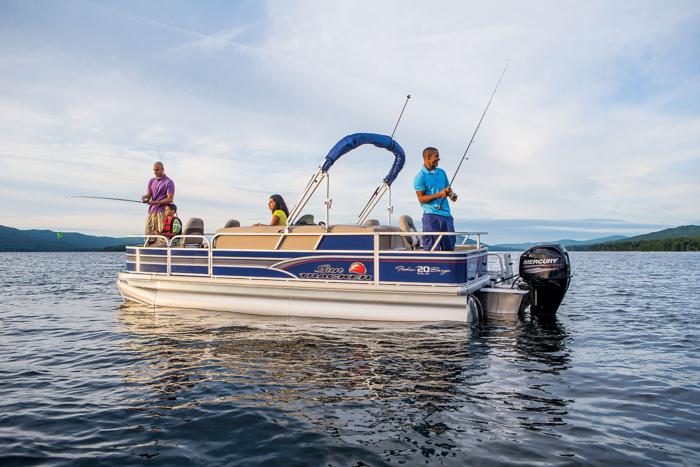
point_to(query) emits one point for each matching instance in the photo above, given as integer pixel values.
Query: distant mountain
(676, 232)
(566, 242)
(683, 238)
(46, 240)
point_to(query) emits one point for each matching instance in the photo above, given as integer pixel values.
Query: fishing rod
(464, 156)
(408, 96)
(108, 198)
(381, 189)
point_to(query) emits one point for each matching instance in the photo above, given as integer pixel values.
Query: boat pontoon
(362, 271)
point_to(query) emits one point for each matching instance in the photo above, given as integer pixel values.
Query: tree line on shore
(682, 238)
(665, 244)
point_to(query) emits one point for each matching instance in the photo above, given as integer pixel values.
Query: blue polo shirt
(431, 182)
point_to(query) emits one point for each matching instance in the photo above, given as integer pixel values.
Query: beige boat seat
(232, 223)
(250, 238)
(193, 226)
(406, 225)
(304, 242)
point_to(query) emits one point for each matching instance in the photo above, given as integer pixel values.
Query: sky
(594, 131)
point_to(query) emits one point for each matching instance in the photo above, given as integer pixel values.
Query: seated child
(172, 225)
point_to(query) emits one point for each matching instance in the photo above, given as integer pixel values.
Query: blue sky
(594, 131)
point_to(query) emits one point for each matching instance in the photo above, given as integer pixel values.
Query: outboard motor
(546, 269)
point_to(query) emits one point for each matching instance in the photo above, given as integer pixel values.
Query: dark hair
(428, 150)
(280, 204)
(172, 207)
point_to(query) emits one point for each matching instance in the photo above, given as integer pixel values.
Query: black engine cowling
(546, 269)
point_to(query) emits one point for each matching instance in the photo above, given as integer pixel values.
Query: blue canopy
(353, 141)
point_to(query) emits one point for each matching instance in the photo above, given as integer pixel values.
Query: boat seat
(406, 224)
(371, 222)
(253, 241)
(303, 242)
(232, 223)
(306, 219)
(193, 226)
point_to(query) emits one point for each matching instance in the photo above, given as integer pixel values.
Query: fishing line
(464, 156)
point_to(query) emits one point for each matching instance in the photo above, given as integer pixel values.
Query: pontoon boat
(362, 271)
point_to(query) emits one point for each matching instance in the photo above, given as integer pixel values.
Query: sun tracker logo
(356, 272)
(358, 268)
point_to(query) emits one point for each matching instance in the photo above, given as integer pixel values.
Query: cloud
(597, 116)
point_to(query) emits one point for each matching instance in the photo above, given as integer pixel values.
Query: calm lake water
(85, 380)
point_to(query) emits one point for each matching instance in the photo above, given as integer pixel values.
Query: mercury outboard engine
(546, 269)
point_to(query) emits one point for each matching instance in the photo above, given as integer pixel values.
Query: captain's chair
(406, 225)
(306, 219)
(232, 223)
(193, 226)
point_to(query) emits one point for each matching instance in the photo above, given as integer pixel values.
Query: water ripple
(613, 379)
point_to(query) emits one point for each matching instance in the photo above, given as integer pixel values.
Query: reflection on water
(612, 381)
(406, 390)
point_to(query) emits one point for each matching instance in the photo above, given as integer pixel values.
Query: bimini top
(355, 140)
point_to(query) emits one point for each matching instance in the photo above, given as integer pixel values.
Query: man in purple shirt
(159, 193)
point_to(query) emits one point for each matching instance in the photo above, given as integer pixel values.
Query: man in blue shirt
(432, 188)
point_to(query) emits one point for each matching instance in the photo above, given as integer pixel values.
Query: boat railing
(207, 243)
(182, 241)
(284, 233)
(505, 266)
(148, 238)
(210, 239)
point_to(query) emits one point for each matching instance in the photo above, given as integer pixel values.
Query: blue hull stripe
(251, 272)
(178, 269)
(189, 252)
(147, 251)
(154, 268)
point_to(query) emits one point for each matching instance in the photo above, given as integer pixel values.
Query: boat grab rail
(505, 264)
(212, 241)
(168, 242)
(185, 237)
(209, 243)
(501, 262)
(248, 234)
(149, 238)
(285, 233)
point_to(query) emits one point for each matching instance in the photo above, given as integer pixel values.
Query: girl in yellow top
(279, 211)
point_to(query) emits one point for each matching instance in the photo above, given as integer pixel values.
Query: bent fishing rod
(464, 156)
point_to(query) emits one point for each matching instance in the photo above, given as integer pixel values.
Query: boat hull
(353, 301)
